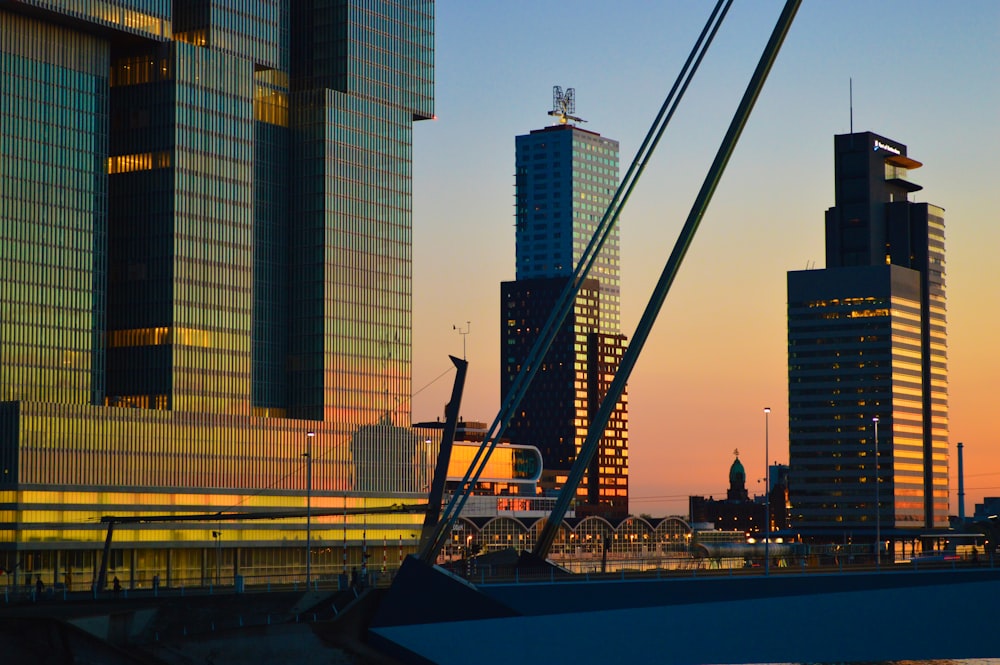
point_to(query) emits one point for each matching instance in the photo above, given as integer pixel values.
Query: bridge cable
(608, 404)
(566, 299)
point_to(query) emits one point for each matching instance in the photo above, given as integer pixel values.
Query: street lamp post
(218, 556)
(309, 482)
(878, 511)
(468, 557)
(767, 496)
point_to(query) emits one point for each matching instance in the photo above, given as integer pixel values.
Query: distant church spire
(737, 480)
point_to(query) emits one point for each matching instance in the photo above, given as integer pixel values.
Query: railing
(478, 571)
(193, 585)
(482, 573)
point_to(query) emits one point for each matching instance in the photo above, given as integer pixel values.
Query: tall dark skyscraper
(866, 340)
(205, 211)
(565, 178)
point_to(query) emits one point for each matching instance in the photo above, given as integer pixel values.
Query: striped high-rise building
(866, 341)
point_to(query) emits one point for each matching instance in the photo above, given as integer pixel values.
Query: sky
(924, 73)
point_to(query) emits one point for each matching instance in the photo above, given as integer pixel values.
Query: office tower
(565, 178)
(206, 221)
(866, 340)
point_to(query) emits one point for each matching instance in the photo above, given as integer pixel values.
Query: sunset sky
(925, 73)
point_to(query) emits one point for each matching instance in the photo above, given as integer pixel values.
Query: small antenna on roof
(851, 98)
(563, 104)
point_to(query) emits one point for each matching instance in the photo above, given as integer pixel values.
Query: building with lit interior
(205, 211)
(508, 484)
(866, 341)
(565, 179)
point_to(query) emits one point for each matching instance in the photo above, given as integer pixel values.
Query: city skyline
(918, 71)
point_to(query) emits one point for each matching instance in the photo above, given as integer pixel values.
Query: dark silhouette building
(737, 512)
(778, 498)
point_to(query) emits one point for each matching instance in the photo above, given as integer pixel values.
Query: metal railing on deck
(477, 571)
(577, 569)
(194, 585)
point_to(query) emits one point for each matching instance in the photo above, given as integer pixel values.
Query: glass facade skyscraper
(205, 211)
(867, 339)
(565, 179)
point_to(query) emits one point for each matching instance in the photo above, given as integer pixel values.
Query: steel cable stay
(565, 301)
(597, 425)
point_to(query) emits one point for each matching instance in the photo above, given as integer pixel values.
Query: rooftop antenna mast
(564, 105)
(850, 93)
(464, 334)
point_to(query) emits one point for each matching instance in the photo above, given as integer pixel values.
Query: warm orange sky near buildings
(924, 74)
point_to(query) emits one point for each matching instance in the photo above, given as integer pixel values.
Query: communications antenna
(564, 104)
